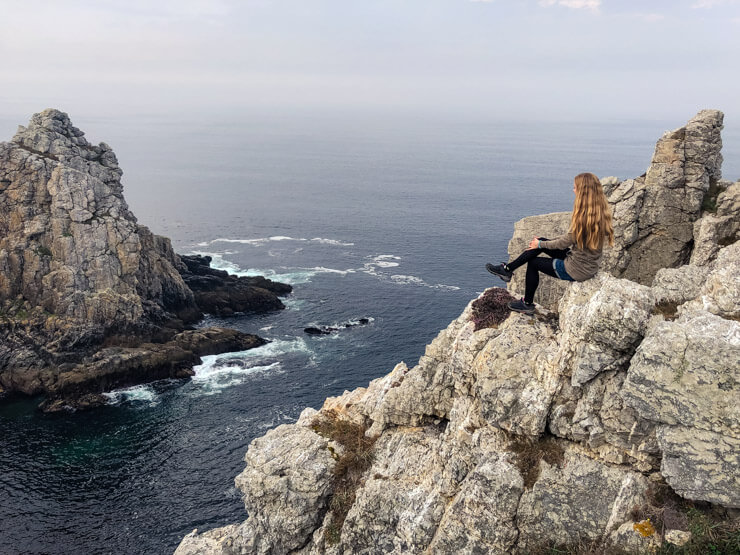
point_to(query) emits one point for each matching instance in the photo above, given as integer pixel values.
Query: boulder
(692, 396)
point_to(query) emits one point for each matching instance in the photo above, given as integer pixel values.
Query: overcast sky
(577, 59)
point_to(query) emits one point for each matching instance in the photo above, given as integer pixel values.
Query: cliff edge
(90, 299)
(609, 422)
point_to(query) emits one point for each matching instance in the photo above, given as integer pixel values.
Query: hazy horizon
(548, 59)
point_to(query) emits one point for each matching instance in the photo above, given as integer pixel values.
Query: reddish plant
(491, 308)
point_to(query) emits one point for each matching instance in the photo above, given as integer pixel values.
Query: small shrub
(355, 459)
(491, 308)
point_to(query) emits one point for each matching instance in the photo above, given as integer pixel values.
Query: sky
(549, 59)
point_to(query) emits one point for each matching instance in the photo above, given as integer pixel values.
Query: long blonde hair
(591, 221)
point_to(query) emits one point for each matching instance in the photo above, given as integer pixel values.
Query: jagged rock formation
(656, 216)
(79, 276)
(544, 430)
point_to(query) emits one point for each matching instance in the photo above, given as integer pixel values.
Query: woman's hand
(533, 243)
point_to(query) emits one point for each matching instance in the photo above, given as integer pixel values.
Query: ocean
(380, 217)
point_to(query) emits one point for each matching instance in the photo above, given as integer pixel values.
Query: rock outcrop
(656, 216)
(90, 299)
(551, 430)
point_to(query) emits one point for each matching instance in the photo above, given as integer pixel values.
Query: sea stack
(90, 299)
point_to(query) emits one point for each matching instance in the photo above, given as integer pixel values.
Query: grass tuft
(355, 459)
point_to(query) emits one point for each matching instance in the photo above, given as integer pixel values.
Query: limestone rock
(218, 541)
(400, 505)
(514, 381)
(286, 486)
(488, 497)
(678, 537)
(720, 292)
(595, 416)
(602, 320)
(563, 503)
(701, 465)
(679, 285)
(609, 184)
(630, 540)
(672, 381)
(685, 164)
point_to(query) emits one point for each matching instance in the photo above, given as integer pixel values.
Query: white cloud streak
(592, 5)
(707, 4)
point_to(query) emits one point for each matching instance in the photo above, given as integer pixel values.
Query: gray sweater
(581, 264)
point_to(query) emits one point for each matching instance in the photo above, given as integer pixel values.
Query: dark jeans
(535, 265)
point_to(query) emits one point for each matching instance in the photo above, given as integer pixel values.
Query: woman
(590, 227)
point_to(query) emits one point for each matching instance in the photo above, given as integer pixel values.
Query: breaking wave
(218, 372)
(137, 394)
(275, 238)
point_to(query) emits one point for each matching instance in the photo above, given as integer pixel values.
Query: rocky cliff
(609, 423)
(90, 299)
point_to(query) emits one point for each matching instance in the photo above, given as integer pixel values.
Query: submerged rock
(79, 274)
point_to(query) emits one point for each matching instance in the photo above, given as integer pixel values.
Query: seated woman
(574, 256)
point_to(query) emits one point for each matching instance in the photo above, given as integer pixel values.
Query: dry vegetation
(529, 454)
(353, 460)
(491, 308)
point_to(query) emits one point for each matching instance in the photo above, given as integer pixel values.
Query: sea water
(390, 219)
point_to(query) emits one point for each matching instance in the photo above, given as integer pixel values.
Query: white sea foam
(275, 238)
(384, 261)
(291, 276)
(137, 394)
(218, 372)
(297, 276)
(409, 280)
(335, 242)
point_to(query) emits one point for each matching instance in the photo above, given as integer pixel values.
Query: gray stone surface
(480, 518)
(701, 465)
(515, 382)
(602, 321)
(582, 499)
(673, 380)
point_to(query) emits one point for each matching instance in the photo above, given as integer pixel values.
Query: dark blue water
(368, 217)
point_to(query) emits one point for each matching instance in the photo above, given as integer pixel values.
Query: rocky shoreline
(608, 421)
(90, 300)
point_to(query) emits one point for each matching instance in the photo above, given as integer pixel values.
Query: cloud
(706, 4)
(592, 5)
